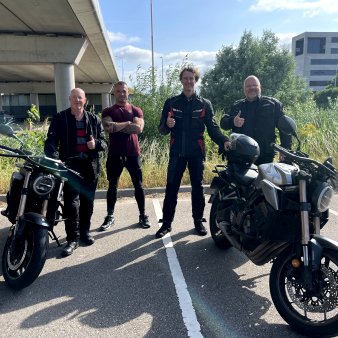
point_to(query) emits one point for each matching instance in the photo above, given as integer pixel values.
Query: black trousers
(176, 168)
(115, 165)
(78, 196)
(79, 203)
(264, 159)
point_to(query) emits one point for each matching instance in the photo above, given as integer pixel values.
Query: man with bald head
(75, 137)
(257, 116)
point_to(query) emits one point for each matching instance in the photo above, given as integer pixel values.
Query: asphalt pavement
(129, 284)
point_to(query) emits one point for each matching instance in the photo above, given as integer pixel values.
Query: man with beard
(257, 116)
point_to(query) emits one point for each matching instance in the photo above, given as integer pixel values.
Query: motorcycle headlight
(322, 197)
(43, 184)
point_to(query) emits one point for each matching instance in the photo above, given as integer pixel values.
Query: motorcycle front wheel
(311, 312)
(23, 265)
(217, 235)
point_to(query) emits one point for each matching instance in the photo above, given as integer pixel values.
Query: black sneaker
(144, 222)
(164, 229)
(200, 228)
(108, 222)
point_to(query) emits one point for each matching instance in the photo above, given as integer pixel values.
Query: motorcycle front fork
(305, 207)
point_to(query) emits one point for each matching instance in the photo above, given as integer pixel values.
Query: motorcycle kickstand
(51, 232)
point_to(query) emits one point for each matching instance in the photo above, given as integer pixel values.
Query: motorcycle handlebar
(302, 159)
(17, 152)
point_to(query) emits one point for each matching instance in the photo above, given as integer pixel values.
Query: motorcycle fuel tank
(278, 173)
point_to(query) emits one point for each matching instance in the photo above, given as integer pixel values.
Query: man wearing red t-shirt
(123, 122)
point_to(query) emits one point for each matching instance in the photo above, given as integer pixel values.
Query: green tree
(33, 116)
(324, 98)
(263, 57)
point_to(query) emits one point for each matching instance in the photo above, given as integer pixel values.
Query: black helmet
(244, 149)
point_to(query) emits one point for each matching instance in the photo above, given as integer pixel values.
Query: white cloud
(120, 37)
(134, 55)
(310, 8)
(129, 57)
(285, 39)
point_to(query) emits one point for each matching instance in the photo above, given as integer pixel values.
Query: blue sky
(200, 28)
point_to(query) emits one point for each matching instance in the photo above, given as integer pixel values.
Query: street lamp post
(122, 69)
(152, 43)
(162, 68)
(122, 66)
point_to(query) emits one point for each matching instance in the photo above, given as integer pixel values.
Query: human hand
(91, 142)
(238, 120)
(108, 124)
(170, 121)
(227, 145)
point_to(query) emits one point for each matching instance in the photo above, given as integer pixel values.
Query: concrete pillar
(64, 83)
(1, 101)
(34, 99)
(105, 100)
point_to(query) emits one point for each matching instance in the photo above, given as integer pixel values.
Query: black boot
(164, 229)
(69, 248)
(199, 227)
(87, 239)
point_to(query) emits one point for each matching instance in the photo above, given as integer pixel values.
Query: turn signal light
(295, 263)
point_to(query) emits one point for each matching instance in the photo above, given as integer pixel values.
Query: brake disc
(326, 301)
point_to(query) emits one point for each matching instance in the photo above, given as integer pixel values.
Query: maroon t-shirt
(122, 143)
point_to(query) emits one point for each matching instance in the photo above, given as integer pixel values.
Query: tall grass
(317, 130)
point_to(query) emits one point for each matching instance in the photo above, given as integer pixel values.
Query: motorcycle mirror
(6, 130)
(287, 125)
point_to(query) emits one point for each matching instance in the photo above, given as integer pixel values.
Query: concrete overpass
(52, 46)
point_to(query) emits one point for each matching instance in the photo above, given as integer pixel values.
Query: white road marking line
(188, 311)
(333, 212)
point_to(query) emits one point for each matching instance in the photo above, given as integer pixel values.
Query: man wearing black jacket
(185, 117)
(76, 137)
(257, 116)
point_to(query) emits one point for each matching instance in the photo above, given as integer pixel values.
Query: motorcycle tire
(311, 313)
(217, 235)
(21, 270)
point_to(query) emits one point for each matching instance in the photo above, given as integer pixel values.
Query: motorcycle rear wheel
(217, 235)
(310, 313)
(21, 270)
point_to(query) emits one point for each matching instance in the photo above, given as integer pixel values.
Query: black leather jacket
(191, 115)
(61, 139)
(262, 125)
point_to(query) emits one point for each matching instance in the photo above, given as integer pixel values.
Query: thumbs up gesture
(238, 120)
(170, 121)
(91, 142)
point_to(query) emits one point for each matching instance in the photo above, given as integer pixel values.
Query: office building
(316, 55)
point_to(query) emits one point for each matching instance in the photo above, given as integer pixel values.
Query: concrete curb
(129, 192)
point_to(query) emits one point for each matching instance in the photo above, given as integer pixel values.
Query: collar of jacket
(193, 96)
(259, 98)
(89, 128)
